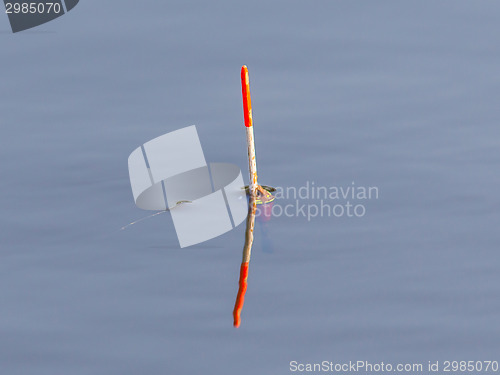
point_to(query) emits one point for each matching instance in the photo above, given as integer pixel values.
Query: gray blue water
(398, 95)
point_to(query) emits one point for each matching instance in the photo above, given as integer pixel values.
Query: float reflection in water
(247, 251)
(263, 200)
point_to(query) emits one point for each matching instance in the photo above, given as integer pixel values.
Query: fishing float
(257, 194)
(254, 187)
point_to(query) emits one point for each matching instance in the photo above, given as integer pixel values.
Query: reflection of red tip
(240, 299)
(245, 90)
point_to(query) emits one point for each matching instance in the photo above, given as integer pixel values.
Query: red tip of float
(245, 90)
(240, 299)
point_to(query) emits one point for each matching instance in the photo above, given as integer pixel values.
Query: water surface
(403, 97)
